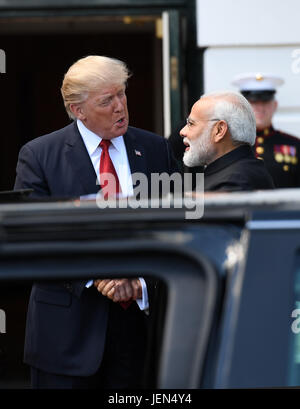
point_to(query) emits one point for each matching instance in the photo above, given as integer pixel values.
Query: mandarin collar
(227, 159)
(265, 133)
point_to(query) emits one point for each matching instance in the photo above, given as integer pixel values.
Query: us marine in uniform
(279, 150)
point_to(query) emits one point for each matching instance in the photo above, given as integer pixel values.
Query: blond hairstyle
(90, 73)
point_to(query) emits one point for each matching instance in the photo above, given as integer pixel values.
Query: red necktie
(106, 166)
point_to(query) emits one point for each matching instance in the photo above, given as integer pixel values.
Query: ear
(77, 111)
(219, 131)
(275, 105)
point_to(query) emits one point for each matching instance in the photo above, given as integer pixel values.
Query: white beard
(201, 150)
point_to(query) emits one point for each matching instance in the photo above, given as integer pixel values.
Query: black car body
(229, 316)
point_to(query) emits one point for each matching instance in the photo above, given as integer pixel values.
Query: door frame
(184, 70)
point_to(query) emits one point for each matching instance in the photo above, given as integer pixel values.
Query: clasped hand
(120, 289)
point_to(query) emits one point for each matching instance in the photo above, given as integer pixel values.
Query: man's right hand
(119, 290)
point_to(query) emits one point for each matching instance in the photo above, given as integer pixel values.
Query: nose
(182, 132)
(258, 105)
(119, 104)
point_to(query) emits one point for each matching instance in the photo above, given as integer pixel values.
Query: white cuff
(143, 302)
(89, 283)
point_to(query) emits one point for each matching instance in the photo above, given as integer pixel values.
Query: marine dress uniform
(279, 151)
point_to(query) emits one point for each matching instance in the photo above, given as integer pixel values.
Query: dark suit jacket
(66, 323)
(238, 170)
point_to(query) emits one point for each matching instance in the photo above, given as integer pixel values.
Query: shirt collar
(92, 140)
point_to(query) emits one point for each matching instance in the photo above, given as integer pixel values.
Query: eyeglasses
(190, 122)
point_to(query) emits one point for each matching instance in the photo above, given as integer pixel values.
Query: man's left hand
(119, 290)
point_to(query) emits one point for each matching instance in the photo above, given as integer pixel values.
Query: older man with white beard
(218, 135)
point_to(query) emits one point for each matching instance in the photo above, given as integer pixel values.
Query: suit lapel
(135, 152)
(84, 176)
(78, 157)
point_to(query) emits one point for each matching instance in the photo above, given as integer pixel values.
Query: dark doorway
(35, 65)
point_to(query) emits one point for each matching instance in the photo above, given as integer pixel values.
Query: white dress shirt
(118, 155)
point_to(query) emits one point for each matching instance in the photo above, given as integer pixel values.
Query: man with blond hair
(218, 135)
(79, 334)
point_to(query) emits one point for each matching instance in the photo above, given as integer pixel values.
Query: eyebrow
(104, 97)
(109, 95)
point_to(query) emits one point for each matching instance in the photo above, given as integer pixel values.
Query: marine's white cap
(257, 86)
(257, 82)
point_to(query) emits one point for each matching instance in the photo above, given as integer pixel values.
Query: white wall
(241, 22)
(253, 36)
(222, 64)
